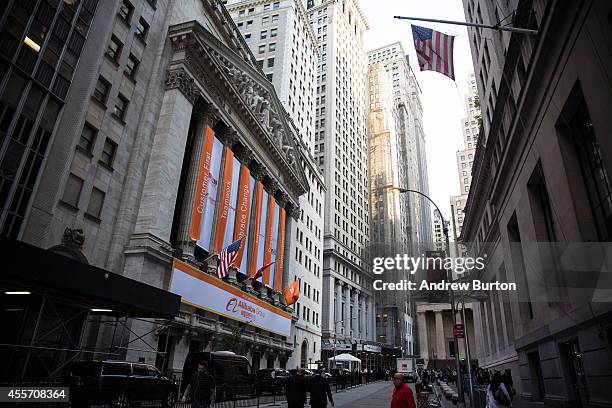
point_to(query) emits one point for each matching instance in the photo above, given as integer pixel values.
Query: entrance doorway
(537, 380)
(256, 361)
(571, 359)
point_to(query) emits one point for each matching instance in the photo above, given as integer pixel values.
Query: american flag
(434, 50)
(227, 257)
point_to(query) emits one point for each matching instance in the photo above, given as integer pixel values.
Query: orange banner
(226, 198)
(202, 184)
(268, 250)
(281, 251)
(292, 293)
(243, 210)
(259, 199)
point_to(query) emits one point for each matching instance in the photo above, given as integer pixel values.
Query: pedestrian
(320, 391)
(296, 390)
(507, 380)
(497, 394)
(200, 388)
(402, 393)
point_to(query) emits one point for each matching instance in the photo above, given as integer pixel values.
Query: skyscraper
(341, 152)
(281, 38)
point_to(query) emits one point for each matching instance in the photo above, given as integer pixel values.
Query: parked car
(233, 375)
(118, 383)
(272, 380)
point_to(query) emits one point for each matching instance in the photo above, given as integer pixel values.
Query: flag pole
(464, 23)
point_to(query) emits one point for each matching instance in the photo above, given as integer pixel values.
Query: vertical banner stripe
(253, 264)
(281, 252)
(224, 206)
(202, 184)
(268, 250)
(243, 210)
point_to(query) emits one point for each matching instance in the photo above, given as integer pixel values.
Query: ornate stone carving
(273, 186)
(73, 238)
(207, 112)
(181, 80)
(258, 171)
(294, 211)
(230, 137)
(244, 154)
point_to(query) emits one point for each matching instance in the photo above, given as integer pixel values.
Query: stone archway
(304, 354)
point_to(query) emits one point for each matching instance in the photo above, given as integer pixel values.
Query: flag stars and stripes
(434, 50)
(227, 257)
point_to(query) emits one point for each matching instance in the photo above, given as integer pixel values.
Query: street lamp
(451, 293)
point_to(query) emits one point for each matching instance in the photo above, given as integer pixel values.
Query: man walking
(402, 394)
(296, 390)
(200, 389)
(320, 392)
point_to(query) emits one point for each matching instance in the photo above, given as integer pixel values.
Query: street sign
(459, 331)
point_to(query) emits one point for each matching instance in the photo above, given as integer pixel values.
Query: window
(262, 49)
(276, 5)
(142, 30)
(121, 107)
(101, 91)
(125, 11)
(247, 38)
(270, 62)
(88, 138)
(269, 77)
(265, 20)
(72, 193)
(249, 23)
(272, 46)
(108, 153)
(264, 35)
(96, 202)
(132, 66)
(114, 49)
(273, 32)
(251, 11)
(266, 7)
(275, 18)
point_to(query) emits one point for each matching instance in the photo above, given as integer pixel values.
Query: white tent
(345, 360)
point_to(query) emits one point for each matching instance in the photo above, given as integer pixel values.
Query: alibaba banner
(210, 293)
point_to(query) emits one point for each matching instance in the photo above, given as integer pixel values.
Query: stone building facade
(161, 88)
(541, 175)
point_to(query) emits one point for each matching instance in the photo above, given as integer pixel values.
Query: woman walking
(497, 394)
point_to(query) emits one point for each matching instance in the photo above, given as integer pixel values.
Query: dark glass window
(53, 51)
(594, 174)
(121, 107)
(96, 202)
(114, 49)
(76, 43)
(108, 153)
(142, 29)
(88, 138)
(125, 11)
(68, 65)
(101, 91)
(72, 192)
(26, 60)
(270, 62)
(131, 68)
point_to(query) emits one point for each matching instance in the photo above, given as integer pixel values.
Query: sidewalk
(517, 402)
(362, 396)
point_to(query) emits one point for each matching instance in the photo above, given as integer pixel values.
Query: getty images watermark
(401, 273)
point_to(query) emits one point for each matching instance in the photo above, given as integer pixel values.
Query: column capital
(208, 113)
(244, 154)
(229, 137)
(272, 186)
(179, 78)
(293, 211)
(258, 171)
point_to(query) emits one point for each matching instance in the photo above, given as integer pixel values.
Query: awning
(26, 267)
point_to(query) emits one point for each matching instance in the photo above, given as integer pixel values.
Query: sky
(442, 101)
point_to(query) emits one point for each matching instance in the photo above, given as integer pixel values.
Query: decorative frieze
(180, 79)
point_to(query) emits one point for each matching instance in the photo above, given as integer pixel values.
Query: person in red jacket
(402, 394)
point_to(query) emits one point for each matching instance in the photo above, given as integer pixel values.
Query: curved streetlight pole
(451, 292)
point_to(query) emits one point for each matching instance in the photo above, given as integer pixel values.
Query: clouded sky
(442, 103)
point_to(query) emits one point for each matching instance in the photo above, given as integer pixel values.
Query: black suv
(119, 383)
(272, 380)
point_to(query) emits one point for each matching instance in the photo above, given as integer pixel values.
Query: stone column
(371, 319)
(147, 255)
(338, 307)
(206, 115)
(423, 343)
(440, 339)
